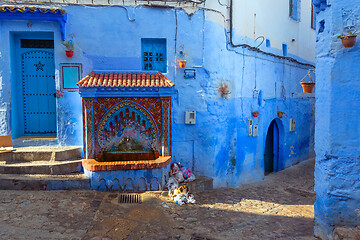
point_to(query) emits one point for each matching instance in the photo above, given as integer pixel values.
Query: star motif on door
(39, 66)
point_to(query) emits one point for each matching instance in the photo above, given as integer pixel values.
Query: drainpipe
(231, 27)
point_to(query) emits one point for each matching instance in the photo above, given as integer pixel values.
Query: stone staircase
(42, 168)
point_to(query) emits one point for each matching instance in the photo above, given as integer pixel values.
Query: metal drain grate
(130, 198)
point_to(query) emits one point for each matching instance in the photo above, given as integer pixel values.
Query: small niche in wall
(284, 49)
(321, 26)
(70, 74)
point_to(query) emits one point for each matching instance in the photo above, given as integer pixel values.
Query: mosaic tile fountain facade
(126, 138)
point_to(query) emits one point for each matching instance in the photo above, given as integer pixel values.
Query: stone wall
(337, 171)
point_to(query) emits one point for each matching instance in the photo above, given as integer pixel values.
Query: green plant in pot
(69, 48)
(280, 114)
(348, 40)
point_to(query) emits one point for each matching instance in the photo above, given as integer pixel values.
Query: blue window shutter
(153, 54)
(313, 18)
(295, 9)
(293, 6)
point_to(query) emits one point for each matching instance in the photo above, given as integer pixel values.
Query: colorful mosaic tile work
(127, 125)
(130, 79)
(93, 165)
(32, 9)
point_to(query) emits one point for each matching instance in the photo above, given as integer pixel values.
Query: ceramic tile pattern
(125, 79)
(32, 9)
(99, 111)
(93, 165)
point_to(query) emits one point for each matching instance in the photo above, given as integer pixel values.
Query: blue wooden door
(271, 155)
(38, 90)
(276, 147)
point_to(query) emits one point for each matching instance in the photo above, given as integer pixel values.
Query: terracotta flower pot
(280, 114)
(182, 64)
(69, 53)
(348, 41)
(308, 87)
(255, 114)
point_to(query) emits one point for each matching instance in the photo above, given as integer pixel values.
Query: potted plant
(223, 90)
(255, 114)
(308, 87)
(181, 56)
(280, 114)
(348, 40)
(69, 48)
(182, 63)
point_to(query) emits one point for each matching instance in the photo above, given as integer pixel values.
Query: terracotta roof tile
(32, 9)
(125, 79)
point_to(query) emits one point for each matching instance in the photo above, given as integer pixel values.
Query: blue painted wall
(217, 145)
(337, 172)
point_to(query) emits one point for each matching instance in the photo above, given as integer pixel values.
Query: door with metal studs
(38, 90)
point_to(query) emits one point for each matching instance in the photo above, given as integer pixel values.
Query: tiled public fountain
(127, 129)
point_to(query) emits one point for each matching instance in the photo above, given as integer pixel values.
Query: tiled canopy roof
(32, 9)
(125, 79)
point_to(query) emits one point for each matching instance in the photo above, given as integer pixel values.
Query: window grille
(153, 54)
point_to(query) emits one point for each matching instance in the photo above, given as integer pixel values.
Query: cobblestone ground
(280, 207)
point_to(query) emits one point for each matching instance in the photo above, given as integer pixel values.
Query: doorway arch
(273, 147)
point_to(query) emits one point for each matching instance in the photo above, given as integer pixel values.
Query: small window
(313, 17)
(268, 43)
(36, 43)
(294, 9)
(153, 54)
(284, 49)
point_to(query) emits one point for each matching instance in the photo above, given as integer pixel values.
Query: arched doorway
(272, 148)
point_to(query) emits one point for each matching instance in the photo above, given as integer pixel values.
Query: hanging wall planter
(69, 53)
(69, 48)
(223, 90)
(255, 114)
(280, 114)
(181, 56)
(348, 41)
(308, 87)
(182, 63)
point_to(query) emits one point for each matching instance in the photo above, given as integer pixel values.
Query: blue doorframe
(32, 101)
(273, 157)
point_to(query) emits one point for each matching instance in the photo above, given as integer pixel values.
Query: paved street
(280, 207)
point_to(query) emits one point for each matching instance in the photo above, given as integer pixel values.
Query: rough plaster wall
(4, 92)
(217, 145)
(337, 171)
(219, 140)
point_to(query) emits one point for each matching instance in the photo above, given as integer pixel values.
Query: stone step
(25, 154)
(43, 182)
(35, 141)
(42, 167)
